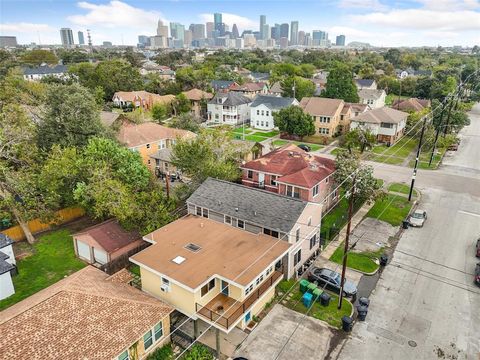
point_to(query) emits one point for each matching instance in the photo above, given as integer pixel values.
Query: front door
(261, 178)
(225, 288)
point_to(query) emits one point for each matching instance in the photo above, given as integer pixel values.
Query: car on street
(453, 147)
(332, 279)
(305, 147)
(477, 274)
(477, 248)
(418, 217)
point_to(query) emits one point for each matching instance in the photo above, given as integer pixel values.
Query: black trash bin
(405, 224)
(325, 299)
(347, 323)
(364, 301)
(362, 312)
(383, 260)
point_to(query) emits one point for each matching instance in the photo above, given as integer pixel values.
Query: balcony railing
(233, 309)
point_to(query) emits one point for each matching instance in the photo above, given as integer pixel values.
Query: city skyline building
(263, 22)
(210, 28)
(198, 31)
(81, 38)
(284, 30)
(235, 33)
(218, 24)
(177, 31)
(340, 40)
(162, 29)
(294, 33)
(143, 40)
(66, 35)
(8, 41)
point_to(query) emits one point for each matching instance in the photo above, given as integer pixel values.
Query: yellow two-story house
(211, 271)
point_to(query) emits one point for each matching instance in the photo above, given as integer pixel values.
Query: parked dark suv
(477, 249)
(332, 279)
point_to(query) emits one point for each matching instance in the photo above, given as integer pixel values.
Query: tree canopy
(303, 87)
(293, 121)
(340, 84)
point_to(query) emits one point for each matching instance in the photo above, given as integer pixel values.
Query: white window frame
(315, 190)
(225, 219)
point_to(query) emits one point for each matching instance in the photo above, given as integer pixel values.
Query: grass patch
(162, 353)
(53, 258)
(401, 188)
(329, 314)
(385, 159)
(135, 269)
(336, 151)
(363, 261)
(267, 134)
(314, 147)
(424, 159)
(391, 209)
(400, 149)
(239, 130)
(255, 138)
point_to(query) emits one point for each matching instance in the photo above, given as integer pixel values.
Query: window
(273, 180)
(228, 220)
(248, 289)
(327, 180)
(267, 113)
(263, 112)
(241, 224)
(386, 125)
(313, 241)
(123, 356)
(162, 144)
(148, 146)
(158, 331)
(297, 257)
(205, 213)
(315, 190)
(258, 122)
(270, 232)
(324, 131)
(297, 235)
(147, 339)
(207, 287)
(165, 282)
(193, 247)
(258, 112)
(292, 191)
(148, 162)
(341, 117)
(250, 174)
(269, 271)
(199, 211)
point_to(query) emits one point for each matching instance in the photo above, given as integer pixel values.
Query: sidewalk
(356, 219)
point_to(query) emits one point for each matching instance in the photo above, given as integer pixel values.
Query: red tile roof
(294, 166)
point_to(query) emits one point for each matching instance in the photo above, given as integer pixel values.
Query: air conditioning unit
(165, 288)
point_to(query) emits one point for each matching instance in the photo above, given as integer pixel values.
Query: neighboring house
(250, 150)
(411, 105)
(221, 85)
(197, 99)
(102, 243)
(264, 106)
(164, 72)
(205, 269)
(387, 124)
(7, 267)
(276, 89)
(262, 212)
(327, 114)
(148, 138)
(87, 315)
(229, 108)
(39, 72)
(250, 89)
(141, 98)
(108, 118)
(293, 172)
(357, 109)
(366, 84)
(373, 98)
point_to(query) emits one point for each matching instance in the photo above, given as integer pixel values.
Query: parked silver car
(417, 219)
(332, 279)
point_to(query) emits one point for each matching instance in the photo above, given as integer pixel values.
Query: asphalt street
(425, 305)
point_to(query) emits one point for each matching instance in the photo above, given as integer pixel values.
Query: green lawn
(424, 160)
(363, 261)
(400, 149)
(267, 134)
(391, 209)
(240, 131)
(52, 259)
(314, 147)
(392, 160)
(329, 314)
(401, 188)
(391, 98)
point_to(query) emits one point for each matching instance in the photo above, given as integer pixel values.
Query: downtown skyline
(380, 23)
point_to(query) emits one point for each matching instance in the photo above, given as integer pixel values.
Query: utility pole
(448, 118)
(437, 133)
(167, 184)
(347, 238)
(416, 159)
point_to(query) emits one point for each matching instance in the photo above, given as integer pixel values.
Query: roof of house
(294, 166)
(231, 99)
(221, 84)
(162, 99)
(45, 70)
(5, 240)
(381, 115)
(272, 102)
(249, 86)
(109, 235)
(131, 95)
(276, 88)
(360, 108)
(164, 154)
(321, 106)
(370, 93)
(364, 82)
(84, 316)
(138, 134)
(197, 95)
(412, 104)
(225, 251)
(108, 117)
(276, 212)
(4, 265)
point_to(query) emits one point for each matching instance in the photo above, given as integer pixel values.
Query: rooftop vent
(178, 260)
(192, 247)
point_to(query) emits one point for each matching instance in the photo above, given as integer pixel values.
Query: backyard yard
(47, 261)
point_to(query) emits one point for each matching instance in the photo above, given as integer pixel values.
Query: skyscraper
(235, 33)
(210, 28)
(301, 37)
(284, 31)
(198, 31)
(340, 40)
(177, 31)
(8, 41)
(66, 35)
(319, 38)
(218, 24)
(294, 33)
(162, 30)
(275, 32)
(143, 40)
(263, 21)
(266, 32)
(187, 40)
(81, 39)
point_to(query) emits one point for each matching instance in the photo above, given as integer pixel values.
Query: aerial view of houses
(239, 189)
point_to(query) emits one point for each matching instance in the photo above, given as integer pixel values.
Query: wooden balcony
(225, 311)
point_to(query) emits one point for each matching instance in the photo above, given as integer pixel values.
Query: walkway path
(328, 148)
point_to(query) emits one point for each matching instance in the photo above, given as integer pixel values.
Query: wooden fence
(36, 226)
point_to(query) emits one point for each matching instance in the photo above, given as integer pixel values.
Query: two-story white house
(264, 106)
(387, 124)
(372, 97)
(229, 108)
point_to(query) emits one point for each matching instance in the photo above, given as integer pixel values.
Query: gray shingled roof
(272, 102)
(364, 82)
(45, 70)
(264, 208)
(221, 84)
(5, 267)
(5, 240)
(163, 154)
(232, 99)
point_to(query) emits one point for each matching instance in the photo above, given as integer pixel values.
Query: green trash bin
(311, 287)
(303, 285)
(316, 294)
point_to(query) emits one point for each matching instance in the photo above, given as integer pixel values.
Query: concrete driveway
(267, 342)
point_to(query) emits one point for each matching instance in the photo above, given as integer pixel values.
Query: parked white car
(417, 219)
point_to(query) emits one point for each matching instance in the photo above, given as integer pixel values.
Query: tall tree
(358, 138)
(181, 105)
(293, 121)
(340, 84)
(186, 122)
(298, 87)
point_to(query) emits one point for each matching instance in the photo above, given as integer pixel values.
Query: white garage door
(100, 256)
(83, 251)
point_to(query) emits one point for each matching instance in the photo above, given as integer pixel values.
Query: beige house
(196, 97)
(143, 99)
(205, 270)
(331, 116)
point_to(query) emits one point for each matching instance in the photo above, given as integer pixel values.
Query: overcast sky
(379, 22)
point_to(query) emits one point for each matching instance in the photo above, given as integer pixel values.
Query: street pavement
(425, 305)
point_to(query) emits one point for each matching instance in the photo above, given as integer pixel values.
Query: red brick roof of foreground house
(294, 166)
(412, 104)
(132, 135)
(197, 95)
(87, 315)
